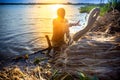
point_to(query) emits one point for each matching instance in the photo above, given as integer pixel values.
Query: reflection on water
(23, 27)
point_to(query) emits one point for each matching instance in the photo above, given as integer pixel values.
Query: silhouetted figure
(60, 30)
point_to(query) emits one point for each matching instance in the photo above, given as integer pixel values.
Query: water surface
(23, 27)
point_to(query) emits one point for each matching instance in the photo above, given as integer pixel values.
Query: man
(60, 29)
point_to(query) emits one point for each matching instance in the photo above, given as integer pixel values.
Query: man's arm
(74, 24)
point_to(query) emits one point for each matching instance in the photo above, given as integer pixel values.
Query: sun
(55, 7)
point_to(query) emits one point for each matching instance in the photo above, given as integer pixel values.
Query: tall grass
(111, 5)
(114, 4)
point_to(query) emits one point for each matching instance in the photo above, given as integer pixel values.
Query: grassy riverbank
(111, 5)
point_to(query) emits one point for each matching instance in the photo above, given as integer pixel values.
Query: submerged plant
(36, 61)
(84, 77)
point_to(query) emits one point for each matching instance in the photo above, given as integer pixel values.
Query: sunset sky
(52, 1)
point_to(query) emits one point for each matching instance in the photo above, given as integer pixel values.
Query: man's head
(61, 12)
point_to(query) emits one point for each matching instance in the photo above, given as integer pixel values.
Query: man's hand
(77, 24)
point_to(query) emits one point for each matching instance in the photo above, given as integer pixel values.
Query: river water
(23, 27)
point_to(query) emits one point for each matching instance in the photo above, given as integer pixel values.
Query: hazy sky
(53, 1)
